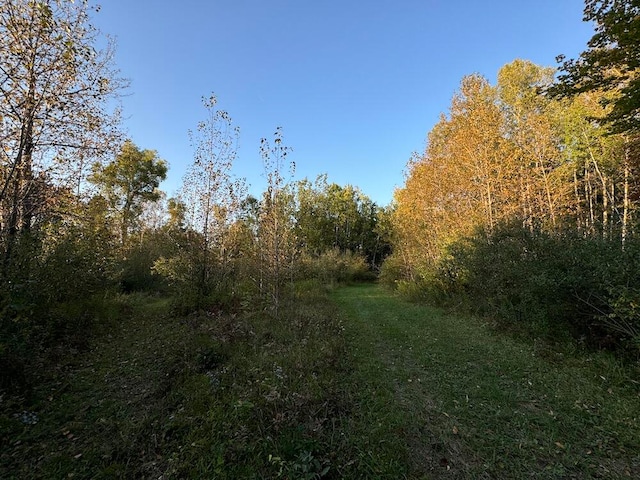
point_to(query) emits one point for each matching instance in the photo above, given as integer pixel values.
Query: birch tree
(530, 128)
(276, 240)
(610, 69)
(212, 194)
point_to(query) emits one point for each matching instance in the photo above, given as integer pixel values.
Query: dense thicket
(57, 92)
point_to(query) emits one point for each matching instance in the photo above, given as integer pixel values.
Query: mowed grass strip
(444, 396)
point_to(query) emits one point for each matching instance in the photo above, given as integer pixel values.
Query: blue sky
(355, 85)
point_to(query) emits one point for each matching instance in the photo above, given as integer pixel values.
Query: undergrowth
(211, 394)
(356, 384)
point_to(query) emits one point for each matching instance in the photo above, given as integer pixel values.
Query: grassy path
(383, 390)
(441, 396)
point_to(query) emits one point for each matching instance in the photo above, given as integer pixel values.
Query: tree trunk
(605, 208)
(625, 212)
(588, 192)
(578, 201)
(19, 180)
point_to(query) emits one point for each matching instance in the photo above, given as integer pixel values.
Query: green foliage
(334, 266)
(304, 466)
(136, 268)
(129, 181)
(556, 284)
(392, 271)
(182, 271)
(55, 285)
(611, 62)
(328, 216)
(623, 314)
(420, 283)
(181, 268)
(75, 264)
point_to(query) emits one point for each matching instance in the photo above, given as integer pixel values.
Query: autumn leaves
(507, 153)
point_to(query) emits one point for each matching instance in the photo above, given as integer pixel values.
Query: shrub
(392, 271)
(53, 290)
(334, 266)
(556, 283)
(193, 289)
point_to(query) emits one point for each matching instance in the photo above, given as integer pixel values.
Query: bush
(435, 284)
(53, 289)
(624, 315)
(392, 271)
(334, 266)
(192, 290)
(555, 283)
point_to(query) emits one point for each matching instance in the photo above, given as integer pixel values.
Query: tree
(461, 181)
(610, 67)
(329, 216)
(56, 103)
(529, 121)
(594, 161)
(176, 209)
(610, 64)
(128, 182)
(212, 194)
(276, 240)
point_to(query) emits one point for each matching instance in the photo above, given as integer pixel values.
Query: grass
(453, 399)
(355, 385)
(209, 395)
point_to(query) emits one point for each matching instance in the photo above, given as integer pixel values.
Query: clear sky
(355, 84)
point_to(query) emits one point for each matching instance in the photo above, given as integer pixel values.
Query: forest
(522, 214)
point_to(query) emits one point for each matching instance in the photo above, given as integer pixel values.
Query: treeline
(82, 219)
(524, 205)
(231, 247)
